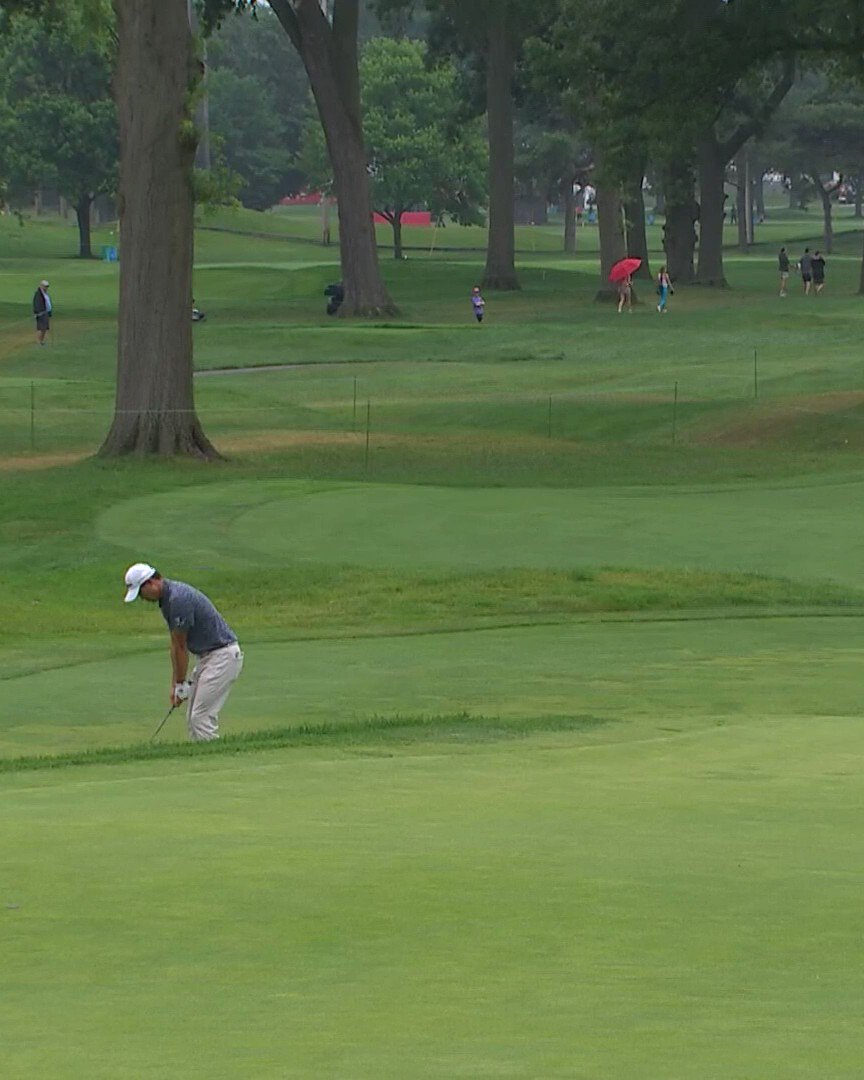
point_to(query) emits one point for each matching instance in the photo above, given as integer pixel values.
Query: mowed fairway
(680, 907)
(546, 757)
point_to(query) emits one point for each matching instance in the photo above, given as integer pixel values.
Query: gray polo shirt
(185, 608)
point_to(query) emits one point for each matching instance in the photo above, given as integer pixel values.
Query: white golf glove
(182, 690)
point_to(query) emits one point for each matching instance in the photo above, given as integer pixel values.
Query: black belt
(215, 648)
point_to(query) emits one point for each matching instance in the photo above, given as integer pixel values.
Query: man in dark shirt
(818, 268)
(783, 261)
(196, 627)
(805, 265)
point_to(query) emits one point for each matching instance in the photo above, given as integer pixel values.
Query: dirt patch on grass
(263, 441)
(815, 421)
(275, 440)
(31, 462)
(283, 440)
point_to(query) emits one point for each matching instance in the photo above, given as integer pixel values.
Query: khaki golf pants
(212, 679)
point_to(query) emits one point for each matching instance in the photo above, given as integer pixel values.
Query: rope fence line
(549, 411)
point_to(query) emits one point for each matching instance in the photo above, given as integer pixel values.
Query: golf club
(164, 722)
(182, 692)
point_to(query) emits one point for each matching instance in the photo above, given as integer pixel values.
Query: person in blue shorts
(664, 287)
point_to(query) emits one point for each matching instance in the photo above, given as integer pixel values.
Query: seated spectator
(336, 294)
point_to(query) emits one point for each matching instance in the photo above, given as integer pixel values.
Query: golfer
(196, 627)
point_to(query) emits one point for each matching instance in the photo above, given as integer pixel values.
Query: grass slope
(524, 910)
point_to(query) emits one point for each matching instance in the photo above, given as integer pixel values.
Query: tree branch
(757, 121)
(285, 13)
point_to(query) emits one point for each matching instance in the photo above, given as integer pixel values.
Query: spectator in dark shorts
(42, 312)
(783, 262)
(805, 265)
(818, 267)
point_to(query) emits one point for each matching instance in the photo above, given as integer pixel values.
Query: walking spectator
(625, 294)
(783, 263)
(478, 304)
(805, 265)
(42, 308)
(664, 288)
(818, 267)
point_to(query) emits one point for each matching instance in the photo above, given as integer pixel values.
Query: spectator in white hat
(42, 311)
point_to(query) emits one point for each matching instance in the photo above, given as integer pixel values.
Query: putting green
(679, 909)
(638, 676)
(809, 531)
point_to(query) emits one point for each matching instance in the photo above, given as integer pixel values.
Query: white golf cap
(136, 575)
(44, 284)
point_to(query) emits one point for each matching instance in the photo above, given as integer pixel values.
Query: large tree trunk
(569, 203)
(827, 211)
(759, 193)
(713, 157)
(712, 176)
(82, 213)
(329, 54)
(612, 246)
(500, 270)
(635, 237)
(741, 173)
(859, 196)
(155, 412)
(682, 212)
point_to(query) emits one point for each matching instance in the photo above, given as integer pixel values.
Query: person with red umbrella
(622, 275)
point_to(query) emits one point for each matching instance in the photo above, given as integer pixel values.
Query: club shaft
(164, 722)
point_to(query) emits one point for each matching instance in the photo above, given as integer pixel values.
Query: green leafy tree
(59, 123)
(550, 162)
(827, 133)
(254, 145)
(258, 96)
(490, 35)
(420, 150)
(667, 80)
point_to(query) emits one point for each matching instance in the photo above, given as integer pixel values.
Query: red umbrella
(624, 268)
